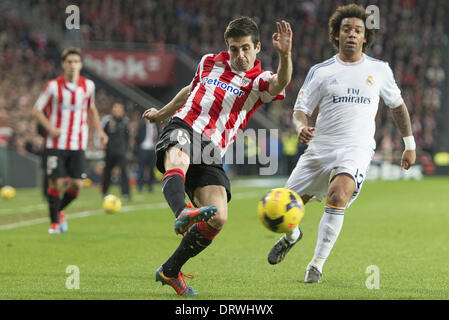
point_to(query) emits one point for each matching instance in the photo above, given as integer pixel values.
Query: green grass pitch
(399, 226)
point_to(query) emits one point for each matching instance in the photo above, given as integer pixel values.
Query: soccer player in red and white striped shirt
(226, 91)
(63, 109)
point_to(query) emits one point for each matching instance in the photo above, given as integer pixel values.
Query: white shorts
(316, 168)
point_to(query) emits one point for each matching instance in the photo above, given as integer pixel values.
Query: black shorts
(66, 163)
(205, 161)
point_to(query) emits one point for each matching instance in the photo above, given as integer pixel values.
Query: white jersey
(347, 95)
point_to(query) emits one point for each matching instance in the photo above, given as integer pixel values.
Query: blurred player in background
(225, 92)
(116, 126)
(145, 150)
(346, 88)
(63, 110)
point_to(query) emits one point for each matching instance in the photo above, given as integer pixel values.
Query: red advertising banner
(134, 67)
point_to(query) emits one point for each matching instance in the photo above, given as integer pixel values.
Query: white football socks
(293, 235)
(328, 231)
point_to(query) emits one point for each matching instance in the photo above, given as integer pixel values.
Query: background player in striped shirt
(226, 91)
(346, 88)
(63, 109)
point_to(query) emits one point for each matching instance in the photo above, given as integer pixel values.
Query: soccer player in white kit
(346, 88)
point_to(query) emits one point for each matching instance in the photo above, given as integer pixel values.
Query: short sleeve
(91, 94)
(389, 91)
(199, 70)
(310, 94)
(263, 83)
(46, 96)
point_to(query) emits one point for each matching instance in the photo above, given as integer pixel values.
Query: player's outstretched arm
(401, 118)
(282, 42)
(155, 115)
(305, 133)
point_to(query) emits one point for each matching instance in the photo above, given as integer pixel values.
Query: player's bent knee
(338, 198)
(76, 186)
(219, 220)
(176, 159)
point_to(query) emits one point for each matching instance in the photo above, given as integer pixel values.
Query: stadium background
(167, 39)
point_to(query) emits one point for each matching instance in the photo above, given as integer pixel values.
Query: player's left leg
(71, 193)
(110, 162)
(124, 181)
(198, 237)
(75, 170)
(339, 193)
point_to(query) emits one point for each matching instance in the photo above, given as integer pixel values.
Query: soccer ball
(111, 203)
(8, 192)
(280, 210)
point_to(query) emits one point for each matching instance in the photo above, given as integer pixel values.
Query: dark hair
(349, 11)
(71, 50)
(243, 27)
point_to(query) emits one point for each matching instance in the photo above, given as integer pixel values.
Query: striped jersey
(348, 97)
(66, 105)
(223, 100)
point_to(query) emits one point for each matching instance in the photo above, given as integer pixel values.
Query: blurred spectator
(145, 147)
(410, 37)
(116, 126)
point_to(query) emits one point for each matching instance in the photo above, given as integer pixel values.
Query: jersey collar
(252, 73)
(81, 82)
(349, 63)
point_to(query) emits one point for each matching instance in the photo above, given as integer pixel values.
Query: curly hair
(349, 11)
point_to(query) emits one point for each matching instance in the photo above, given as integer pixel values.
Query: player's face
(118, 110)
(242, 52)
(72, 64)
(352, 36)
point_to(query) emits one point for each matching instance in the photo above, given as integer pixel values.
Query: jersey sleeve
(310, 94)
(91, 94)
(262, 83)
(199, 71)
(389, 90)
(46, 96)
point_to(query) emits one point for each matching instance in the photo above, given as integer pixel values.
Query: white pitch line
(81, 214)
(89, 213)
(23, 209)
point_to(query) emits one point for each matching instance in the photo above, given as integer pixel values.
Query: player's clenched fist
(151, 115)
(408, 159)
(305, 135)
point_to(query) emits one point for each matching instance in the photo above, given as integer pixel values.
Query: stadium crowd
(25, 68)
(411, 38)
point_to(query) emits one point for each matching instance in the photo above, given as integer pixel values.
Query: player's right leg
(286, 242)
(198, 238)
(55, 173)
(109, 165)
(303, 180)
(176, 164)
(53, 196)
